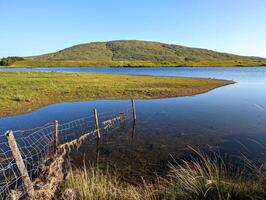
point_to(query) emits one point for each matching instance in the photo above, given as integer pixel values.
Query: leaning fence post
(20, 164)
(96, 123)
(55, 136)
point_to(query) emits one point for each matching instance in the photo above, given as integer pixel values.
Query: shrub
(10, 60)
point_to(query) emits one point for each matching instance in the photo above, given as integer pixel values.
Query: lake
(231, 119)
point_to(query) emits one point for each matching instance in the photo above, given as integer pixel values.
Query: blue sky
(31, 27)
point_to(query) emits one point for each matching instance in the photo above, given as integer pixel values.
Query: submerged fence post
(134, 117)
(55, 136)
(133, 110)
(20, 164)
(97, 127)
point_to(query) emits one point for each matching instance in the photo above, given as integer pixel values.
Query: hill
(138, 53)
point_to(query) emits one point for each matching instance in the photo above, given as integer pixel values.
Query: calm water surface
(231, 119)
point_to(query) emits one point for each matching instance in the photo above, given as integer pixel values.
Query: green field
(85, 63)
(25, 91)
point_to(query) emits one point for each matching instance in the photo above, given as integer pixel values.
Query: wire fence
(40, 144)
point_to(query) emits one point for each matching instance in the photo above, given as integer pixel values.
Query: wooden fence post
(134, 117)
(97, 127)
(134, 109)
(55, 136)
(20, 164)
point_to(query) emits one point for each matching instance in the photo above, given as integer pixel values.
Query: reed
(204, 177)
(208, 177)
(94, 184)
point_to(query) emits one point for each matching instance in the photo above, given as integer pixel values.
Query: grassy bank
(86, 63)
(26, 91)
(205, 178)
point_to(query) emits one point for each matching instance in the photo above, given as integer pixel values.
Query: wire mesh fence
(37, 145)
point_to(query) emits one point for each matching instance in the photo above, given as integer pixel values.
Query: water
(231, 118)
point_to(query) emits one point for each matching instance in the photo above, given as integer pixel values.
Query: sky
(33, 27)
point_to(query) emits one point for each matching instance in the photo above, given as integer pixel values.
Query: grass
(25, 91)
(206, 177)
(95, 184)
(87, 63)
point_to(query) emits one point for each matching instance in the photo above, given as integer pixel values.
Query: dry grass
(208, 177)
(204, 177)
(94, 184)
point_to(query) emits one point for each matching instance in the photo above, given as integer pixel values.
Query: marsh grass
(203, 177)
(209, 177)
(94, 184)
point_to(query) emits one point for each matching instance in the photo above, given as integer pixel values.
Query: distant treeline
(10, 60)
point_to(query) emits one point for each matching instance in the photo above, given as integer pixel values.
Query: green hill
(138, 53)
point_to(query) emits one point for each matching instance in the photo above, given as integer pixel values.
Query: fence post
(134, 117)
(134, 110)
(20, 164)
(97, 127)
(55, 136)
(96, 123)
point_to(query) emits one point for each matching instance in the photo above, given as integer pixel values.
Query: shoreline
(30, 63)
(24, 92)
(128, 67)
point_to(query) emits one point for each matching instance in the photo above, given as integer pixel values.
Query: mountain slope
(126, 50)
(137, 53)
